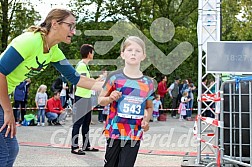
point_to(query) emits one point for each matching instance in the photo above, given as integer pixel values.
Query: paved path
(164, 144)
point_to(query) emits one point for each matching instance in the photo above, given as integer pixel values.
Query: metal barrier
(206, 131)
(236, 113)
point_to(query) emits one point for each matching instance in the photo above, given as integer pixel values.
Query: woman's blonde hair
(41, 87)
(136, 39)
(57, 14)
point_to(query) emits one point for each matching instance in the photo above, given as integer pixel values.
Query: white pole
(199, 31)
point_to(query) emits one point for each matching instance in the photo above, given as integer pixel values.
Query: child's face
(133, 54)
(43, 89)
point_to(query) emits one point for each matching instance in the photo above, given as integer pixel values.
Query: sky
(44, 6)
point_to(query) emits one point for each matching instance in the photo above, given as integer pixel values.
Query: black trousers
(84, 118)
(17, 105)
(174, 106)
(162, 101)
(121, 153)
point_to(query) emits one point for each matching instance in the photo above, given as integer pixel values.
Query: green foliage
(236, 20)
(20, 23)
(183, 14)
(15, 16)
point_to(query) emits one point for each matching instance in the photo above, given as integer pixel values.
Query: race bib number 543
(131, 107)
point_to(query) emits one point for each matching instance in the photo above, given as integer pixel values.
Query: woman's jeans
(8, 146)
(189, 108)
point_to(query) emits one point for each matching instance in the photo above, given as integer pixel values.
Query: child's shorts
(155, 114)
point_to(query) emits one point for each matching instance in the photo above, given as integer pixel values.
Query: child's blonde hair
(41, 87)
(136, 39)
(185, 93)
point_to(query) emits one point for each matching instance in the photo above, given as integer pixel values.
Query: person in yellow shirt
(83, 105)
(26, 56)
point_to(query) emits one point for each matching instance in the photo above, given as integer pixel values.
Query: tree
(12, 18)
(89, 10)
(21, 23)
(236, 20)
(142, 13)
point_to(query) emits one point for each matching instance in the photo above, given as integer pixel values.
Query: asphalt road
(164, 144)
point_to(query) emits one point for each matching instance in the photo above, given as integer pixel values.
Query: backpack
(29, 120)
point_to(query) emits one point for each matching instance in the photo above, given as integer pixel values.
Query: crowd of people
(182, 96)
(126, 94)
(176, 91)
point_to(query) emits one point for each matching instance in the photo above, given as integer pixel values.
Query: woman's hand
(10, 123)
(9, 120)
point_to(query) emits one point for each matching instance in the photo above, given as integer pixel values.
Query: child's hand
(115, 95)
(145, 125)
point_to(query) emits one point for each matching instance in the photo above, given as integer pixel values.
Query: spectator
(183, 105)
(94, 103)
(20, 100)
(205, 105)
(41, 101)
(211, 86)
(162, 89)
(54, 112)
(72, 90)
(174, 91)
(101, 115)
(83, 105)
(204, 86)
(27, 89)
(185, 86)
(61, 85)
(156, 105)
(182, 87)
(189, 110)
(105, 113)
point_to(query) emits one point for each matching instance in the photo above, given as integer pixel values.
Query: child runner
(41, 100)
(130, 96)
(156, 104)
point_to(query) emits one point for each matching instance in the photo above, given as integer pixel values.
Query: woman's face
(67, 29)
